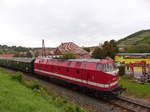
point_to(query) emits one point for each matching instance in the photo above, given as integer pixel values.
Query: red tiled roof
(71, 47)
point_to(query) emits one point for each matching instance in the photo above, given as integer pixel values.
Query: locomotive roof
(85, 60)
(77, 60)
(90, 64)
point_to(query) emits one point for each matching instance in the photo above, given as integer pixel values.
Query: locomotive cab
(109, 68)
(111, 79)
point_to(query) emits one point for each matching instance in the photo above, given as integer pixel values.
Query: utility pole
(43, 49)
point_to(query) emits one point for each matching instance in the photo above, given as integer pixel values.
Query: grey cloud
(86, 22)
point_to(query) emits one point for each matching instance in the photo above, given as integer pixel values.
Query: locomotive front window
(105, 67)
(110, 67)
(99, 67)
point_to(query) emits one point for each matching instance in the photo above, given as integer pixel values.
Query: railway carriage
(100, 75)
(22, 64)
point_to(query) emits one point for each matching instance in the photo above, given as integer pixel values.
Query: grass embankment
(134, 89)
(19, 95)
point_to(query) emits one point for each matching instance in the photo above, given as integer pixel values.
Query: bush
(18, 76)
(32, 85)
(121, 70)
(69, 56)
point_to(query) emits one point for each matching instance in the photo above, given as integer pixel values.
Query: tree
(28, 54)
(99, 53)
(36, 54)
(87, 49)
(111, 48)
(108, 49)
(68, 56)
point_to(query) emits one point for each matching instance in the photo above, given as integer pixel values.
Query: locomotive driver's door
(85, 76)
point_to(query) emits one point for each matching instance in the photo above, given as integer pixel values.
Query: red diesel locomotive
(100, 75)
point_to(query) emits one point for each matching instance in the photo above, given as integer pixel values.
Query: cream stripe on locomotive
(79, 80)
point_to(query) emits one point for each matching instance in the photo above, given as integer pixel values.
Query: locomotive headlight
(114, 79)
(116, 71)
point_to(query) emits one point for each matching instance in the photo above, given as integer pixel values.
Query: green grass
(135, 89)
(16, 97)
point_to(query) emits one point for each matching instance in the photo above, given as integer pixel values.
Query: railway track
(130, 105)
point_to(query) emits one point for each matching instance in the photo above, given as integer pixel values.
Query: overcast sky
(85, 22)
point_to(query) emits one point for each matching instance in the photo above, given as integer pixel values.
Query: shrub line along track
(119, 104)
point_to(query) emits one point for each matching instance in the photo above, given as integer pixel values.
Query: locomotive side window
(78, 64)
(83, 65)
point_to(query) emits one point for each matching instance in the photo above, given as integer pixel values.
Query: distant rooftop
(134, 54)
(72, 48)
